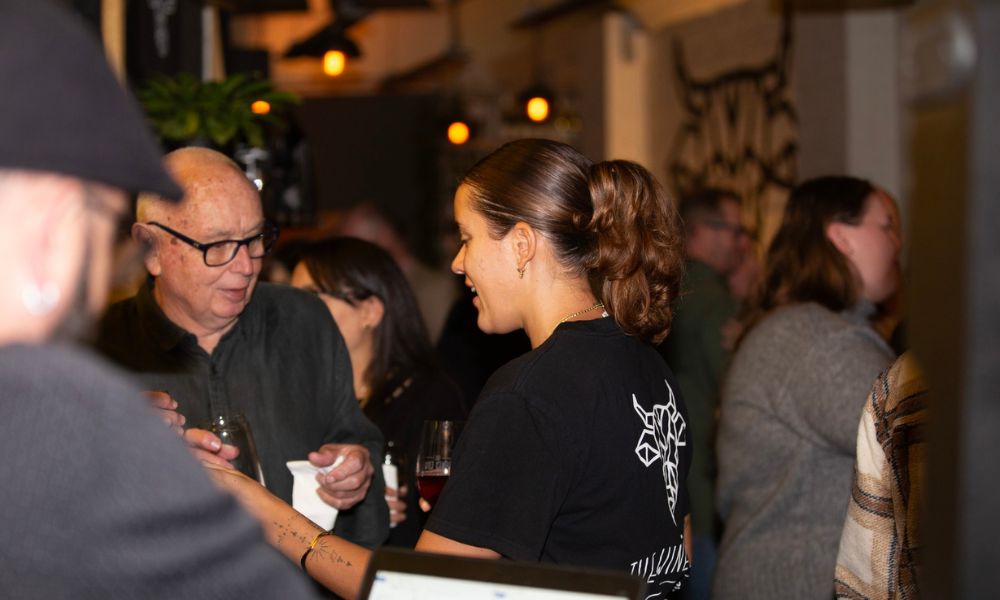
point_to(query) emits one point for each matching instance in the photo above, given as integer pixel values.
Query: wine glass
(437, 441)
(235, 431)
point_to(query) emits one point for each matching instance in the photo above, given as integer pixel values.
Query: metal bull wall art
(738, 130)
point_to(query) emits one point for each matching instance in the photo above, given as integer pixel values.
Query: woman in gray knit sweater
(795, 389)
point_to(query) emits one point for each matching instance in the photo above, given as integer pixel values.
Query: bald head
(219, 204)
(195, 169)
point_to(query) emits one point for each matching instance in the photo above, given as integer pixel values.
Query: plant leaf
(183, 107)
(221, 130)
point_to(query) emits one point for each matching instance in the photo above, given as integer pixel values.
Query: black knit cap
(61, 108)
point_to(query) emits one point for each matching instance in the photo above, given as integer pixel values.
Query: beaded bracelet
(312, 545)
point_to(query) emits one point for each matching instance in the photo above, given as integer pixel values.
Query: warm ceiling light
(537, 108)
(334, 62)
(458, 133)
(260, 107)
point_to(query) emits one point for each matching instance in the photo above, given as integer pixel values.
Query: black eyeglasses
(223, 252)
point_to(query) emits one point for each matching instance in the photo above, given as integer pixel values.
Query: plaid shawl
(878, 549)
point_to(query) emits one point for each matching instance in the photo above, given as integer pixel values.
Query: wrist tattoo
(323, 550)
(288, 530)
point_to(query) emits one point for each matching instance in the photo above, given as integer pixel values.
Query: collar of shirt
(166, 334)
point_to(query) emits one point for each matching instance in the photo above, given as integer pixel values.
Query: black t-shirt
(576, 453)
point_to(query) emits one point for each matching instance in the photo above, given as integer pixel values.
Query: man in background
(698, 349)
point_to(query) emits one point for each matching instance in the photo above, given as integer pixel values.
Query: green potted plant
(186, 110)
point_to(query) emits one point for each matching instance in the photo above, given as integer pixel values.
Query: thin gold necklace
(580, 312)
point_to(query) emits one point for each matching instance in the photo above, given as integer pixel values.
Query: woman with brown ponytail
(575, 453)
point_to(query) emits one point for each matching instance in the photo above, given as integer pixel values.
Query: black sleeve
(509, 478)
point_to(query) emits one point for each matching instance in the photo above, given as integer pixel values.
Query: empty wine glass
(235, 431)
(437, 441)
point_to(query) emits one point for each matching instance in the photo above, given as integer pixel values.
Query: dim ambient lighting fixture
(260, 107)
(536, 102)
(330, 42)
(537, 108)
(339, 48)
(334, 62)
(458, 132)
(332, 45)
(455, 122)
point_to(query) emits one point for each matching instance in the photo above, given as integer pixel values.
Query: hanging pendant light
(334, 62)
(331, 42)
(332, 45)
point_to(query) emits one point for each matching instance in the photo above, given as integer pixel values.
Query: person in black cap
(98, 498)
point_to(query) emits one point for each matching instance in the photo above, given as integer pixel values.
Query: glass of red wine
(437, 441)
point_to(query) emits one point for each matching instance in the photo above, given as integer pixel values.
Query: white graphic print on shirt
(664, 571)
(665, 425)
(664, 433)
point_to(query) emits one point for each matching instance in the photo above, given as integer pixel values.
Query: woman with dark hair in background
(575, 453)
(396, 378)
(796, 386)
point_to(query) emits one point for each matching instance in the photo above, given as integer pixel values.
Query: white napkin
(391, 474)
(304, 496)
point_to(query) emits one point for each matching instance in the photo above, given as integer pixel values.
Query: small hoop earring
(40, 300)
(520, 272)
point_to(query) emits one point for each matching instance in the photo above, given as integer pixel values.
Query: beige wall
(628, 56)
(848, 96)
(874, 107)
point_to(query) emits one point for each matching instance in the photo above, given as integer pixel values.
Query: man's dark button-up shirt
(283, 364)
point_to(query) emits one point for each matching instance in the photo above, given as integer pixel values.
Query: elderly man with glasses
(205, 337)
